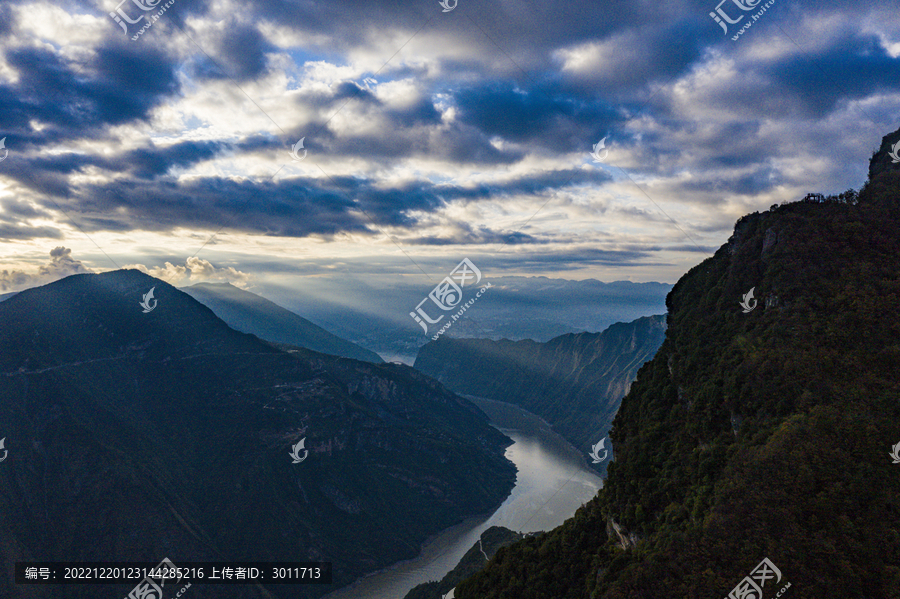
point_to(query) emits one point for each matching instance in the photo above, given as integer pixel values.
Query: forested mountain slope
(752, 435)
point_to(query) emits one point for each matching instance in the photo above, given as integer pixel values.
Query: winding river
(553, 481)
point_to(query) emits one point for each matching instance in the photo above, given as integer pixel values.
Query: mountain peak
(92, 316)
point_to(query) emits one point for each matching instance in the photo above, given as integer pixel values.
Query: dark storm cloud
(531, 184)
(47, 173)
(762, 179)
(24, 232)
(14, 217)
(122, 84)
(294, 207)
(851, 68)
(392, 206)
(538, 115)
(286, 208)
(240, 54)
(147, 163)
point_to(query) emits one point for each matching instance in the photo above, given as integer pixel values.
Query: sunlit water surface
(553, 481)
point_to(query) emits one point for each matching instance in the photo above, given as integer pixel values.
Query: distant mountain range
(575, 382)
(358, 317)
(249, 313)
(762, 431)
(135, 435)
(375, 314)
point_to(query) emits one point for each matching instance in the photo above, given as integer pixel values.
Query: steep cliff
(755, 432)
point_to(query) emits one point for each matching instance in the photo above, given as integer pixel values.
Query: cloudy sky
(429, 135)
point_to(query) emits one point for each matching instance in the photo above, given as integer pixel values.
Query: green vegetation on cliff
(752, 435)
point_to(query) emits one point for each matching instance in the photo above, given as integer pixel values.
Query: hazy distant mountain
(374, 314)
(136, 435)
(575, 382)
(250, 313)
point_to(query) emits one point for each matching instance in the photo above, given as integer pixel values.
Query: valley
(552, 482)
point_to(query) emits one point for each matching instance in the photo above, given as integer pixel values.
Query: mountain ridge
(250, 313)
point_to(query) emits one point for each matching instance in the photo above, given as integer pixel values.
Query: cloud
(544, 115)
(54, 98)
(61, 265)
(434, 129)
(195, 270)
(241, 53)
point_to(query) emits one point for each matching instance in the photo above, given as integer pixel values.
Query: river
(553, 481)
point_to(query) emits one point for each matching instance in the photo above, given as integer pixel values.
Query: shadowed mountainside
(250, 313)
(575, 382)
(137, 436)
(752, 435)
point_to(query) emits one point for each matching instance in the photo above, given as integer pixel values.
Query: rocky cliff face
(575, 382)
(136, 436)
